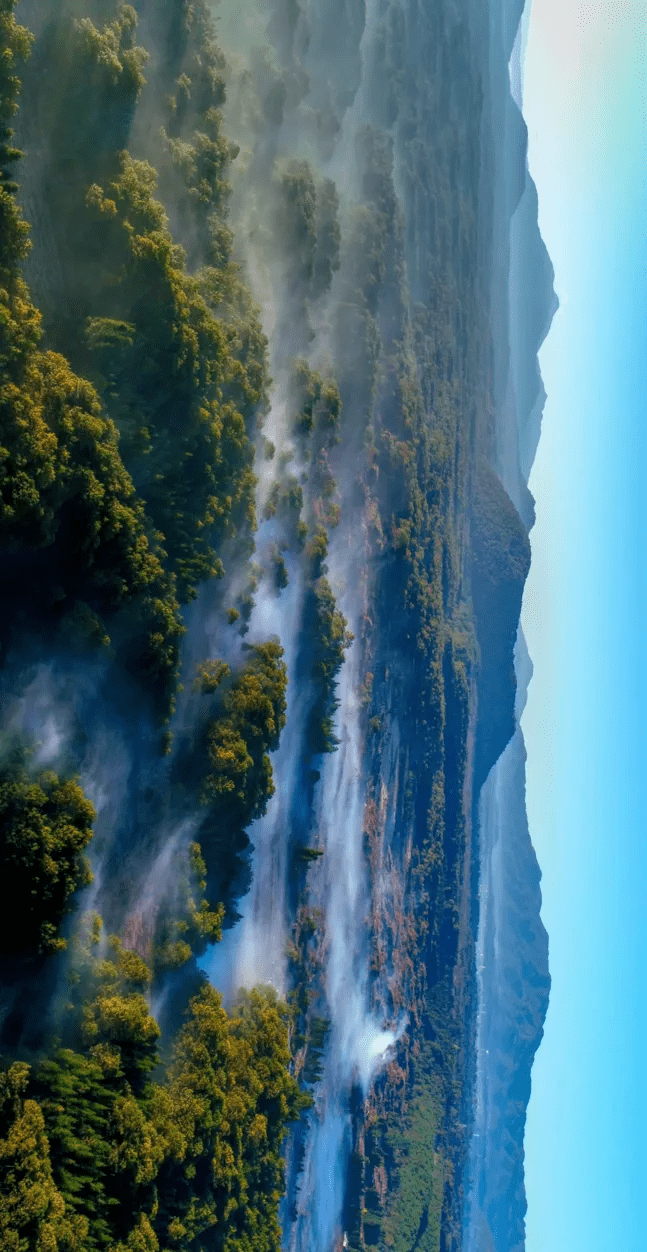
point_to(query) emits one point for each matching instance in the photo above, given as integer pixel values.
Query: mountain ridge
(514, 977)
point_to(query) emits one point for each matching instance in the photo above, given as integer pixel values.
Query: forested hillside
(110, 1135)
(260, 596)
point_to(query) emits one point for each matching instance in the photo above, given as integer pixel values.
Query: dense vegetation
(46, 825)
(182, 385)
(78, 551)
(122, 484)
(99, 1152)
(133, 460)
(234, 773)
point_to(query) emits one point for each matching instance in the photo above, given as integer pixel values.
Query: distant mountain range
(514, 980)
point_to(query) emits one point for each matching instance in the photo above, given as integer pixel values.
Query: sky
(585, 619)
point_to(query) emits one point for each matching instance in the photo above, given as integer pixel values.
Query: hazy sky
(585, 618)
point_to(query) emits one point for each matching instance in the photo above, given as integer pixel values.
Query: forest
(260, 595)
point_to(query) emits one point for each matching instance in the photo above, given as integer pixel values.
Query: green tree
(96, 1097)
(325, 640)
(238, 740)
(76, 1105)
(46, 825)
(76, 547)
(193, 923)
(296, 223)
(224, 1114)
(33, 1213)
(71, 523)
(326, 261)
(15, 42)
(180, 395)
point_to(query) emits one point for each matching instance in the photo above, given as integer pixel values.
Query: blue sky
(585, 618)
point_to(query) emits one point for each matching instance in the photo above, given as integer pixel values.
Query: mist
(279, 258)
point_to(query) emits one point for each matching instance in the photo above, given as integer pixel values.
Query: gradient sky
(585, 618)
